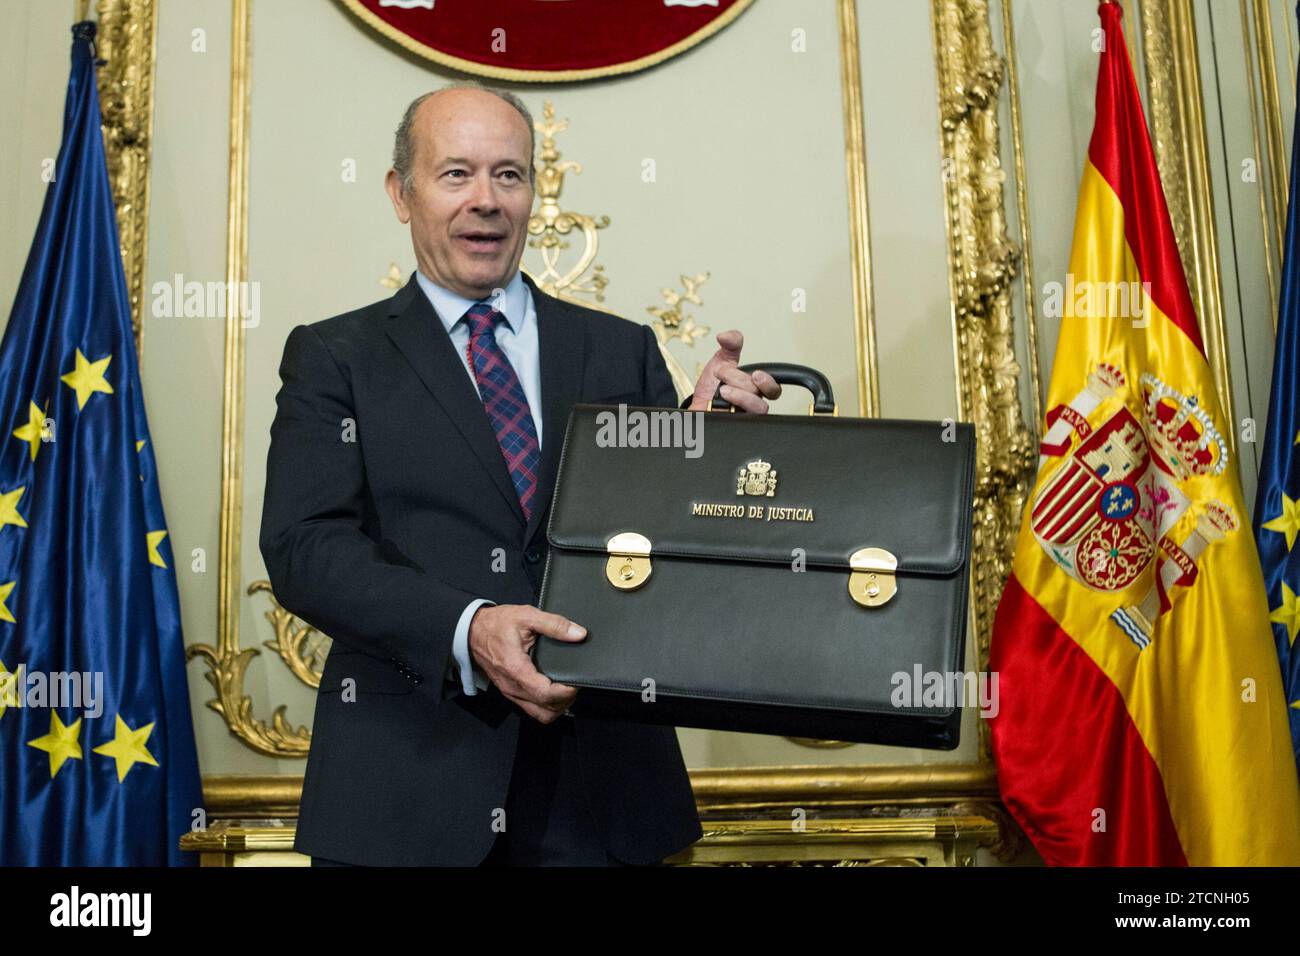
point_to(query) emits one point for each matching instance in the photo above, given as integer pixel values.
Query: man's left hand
(747, 392)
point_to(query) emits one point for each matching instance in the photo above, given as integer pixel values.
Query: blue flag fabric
(97, 758)
(1277, 502)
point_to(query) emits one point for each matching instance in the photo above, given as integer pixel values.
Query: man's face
(471, 194)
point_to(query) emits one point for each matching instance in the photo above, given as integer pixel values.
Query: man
(412, 460)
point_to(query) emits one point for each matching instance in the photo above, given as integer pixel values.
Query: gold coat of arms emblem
(756, 478)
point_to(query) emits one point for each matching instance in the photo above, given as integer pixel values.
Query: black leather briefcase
(777, 574)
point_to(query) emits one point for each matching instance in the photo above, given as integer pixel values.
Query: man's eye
(452, 172)
(510, 172)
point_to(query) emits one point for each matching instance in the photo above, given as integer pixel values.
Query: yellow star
(9, 508)
(5, 590)
(127, 747)
(139, 445)
(1288, 613)
(34, 430)
(60, 743)
(8, 687)
(1288, 522)
(87, 378)
(153, 539)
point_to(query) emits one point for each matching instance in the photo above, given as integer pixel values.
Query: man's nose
(484, 199)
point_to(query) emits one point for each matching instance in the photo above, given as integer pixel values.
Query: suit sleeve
(323, 567)
(659, 389)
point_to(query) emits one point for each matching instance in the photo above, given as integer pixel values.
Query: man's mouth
(482, 240)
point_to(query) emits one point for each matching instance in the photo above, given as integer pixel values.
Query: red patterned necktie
(505, 402)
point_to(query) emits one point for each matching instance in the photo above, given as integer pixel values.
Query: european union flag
(1277, 502)
(97, 758)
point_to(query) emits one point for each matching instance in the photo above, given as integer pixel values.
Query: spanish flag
(1141, 715)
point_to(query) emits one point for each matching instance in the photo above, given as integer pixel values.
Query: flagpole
(83, 10)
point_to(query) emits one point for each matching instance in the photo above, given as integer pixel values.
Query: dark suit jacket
(386, 495)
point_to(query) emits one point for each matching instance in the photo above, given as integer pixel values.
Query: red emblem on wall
(547, 40)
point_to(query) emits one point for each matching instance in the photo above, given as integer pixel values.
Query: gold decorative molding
(227, 662)
(819, 744)
(1290, 57)
(226, 675)
(252, 796)
(734, 790)
(1288, 30)
(550, 226)
(1278, 158)
(126, 41)
(928, 838)
(1275, 188)
(982, 263)
(1022, 214)
(870, 815)
(855, 162)
(1265, 225)
(1177, 118)
(726, 790)
(673, 324)
(302, 648)
(224, 842)
(393, 279)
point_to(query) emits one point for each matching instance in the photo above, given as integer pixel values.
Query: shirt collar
(452, 307)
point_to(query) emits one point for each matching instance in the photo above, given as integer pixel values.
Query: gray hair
(404, 144)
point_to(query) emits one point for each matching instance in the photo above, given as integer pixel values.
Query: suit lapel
(416, 330)
(561, 347)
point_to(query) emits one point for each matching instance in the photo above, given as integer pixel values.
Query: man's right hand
(500, 638)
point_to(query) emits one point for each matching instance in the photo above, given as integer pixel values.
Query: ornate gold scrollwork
(550, 226)
(125, 41)
(982, 263)
(302, 648)
(673, 324)
(584, 281)
(299, 645)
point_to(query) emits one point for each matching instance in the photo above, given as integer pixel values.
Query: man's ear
(393, 186)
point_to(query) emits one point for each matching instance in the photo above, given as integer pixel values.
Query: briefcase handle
(819, 385)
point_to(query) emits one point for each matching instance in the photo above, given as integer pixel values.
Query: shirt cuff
(471, 681)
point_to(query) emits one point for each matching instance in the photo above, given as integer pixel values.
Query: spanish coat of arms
(1108, 510)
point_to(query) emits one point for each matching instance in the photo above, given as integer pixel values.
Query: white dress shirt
(517, 336)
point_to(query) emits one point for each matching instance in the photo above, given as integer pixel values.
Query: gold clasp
(628, 567)
(871, 580)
